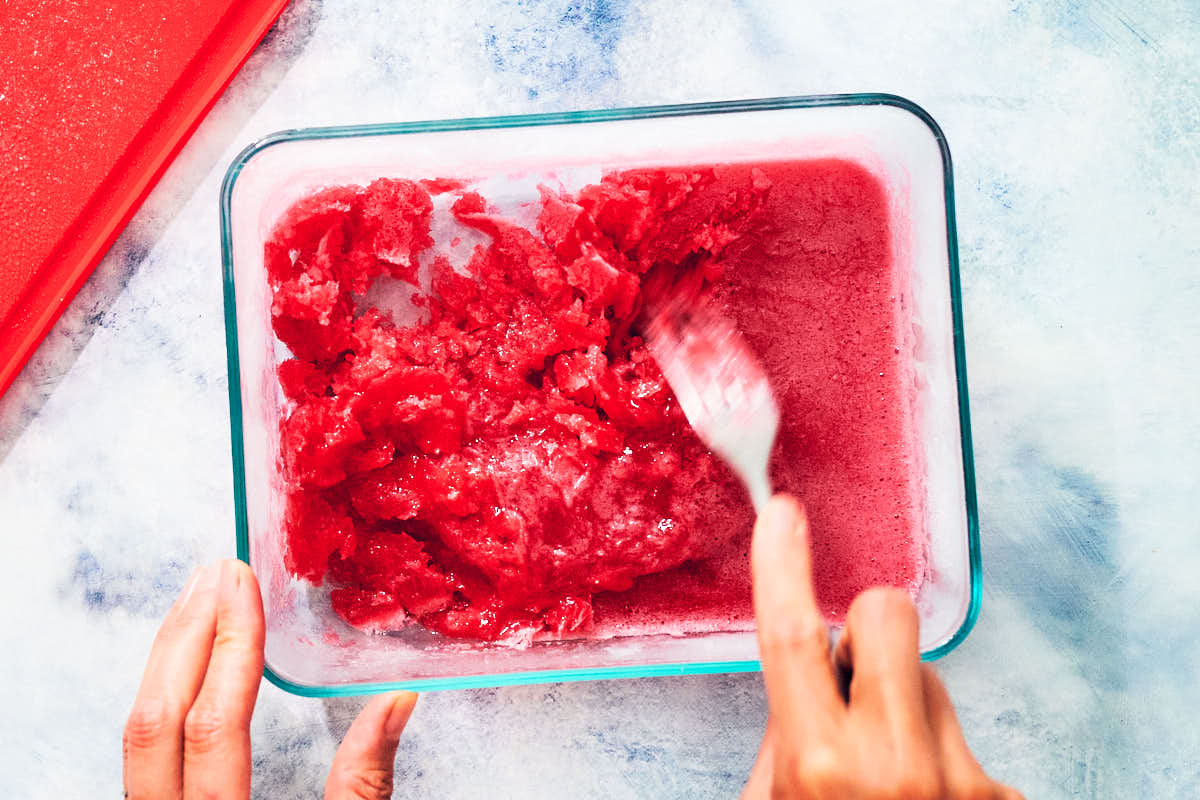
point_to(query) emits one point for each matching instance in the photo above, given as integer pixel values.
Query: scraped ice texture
(513, 465)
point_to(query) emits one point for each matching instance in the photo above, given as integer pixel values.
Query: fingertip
(884, 631)
(402, 705)
(781, 567)
(882, 608)
(201, 575)
(236, 571)
(248, 584)
(781, 531)
(382, 720)
(224, 575)
(885, 659)
(239, 612)
(364, 762)
(783, 513)
(239, 585)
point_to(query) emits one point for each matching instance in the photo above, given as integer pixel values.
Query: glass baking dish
(309, 650)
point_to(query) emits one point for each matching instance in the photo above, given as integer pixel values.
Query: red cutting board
(96, 98)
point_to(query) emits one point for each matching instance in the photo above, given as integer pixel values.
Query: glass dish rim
(572, 117)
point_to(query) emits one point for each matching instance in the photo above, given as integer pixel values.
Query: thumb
(363, 765)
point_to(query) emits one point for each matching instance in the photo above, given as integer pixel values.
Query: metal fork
(722, 390)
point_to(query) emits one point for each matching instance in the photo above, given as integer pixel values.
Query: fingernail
(203, 575)
(780, 513)
(189, 587)
(229, 580)
(398, 714)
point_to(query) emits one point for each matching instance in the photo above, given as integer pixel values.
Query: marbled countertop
(1075, 129)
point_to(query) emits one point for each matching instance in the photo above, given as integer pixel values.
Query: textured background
(1075, 129)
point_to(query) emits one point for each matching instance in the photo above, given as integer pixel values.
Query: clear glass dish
(309, 650)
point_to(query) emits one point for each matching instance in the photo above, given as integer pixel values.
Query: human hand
(188, 735)
(894, 734)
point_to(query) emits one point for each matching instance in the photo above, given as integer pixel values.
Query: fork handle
(760, 491)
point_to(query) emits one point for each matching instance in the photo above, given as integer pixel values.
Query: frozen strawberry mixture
(513, 465)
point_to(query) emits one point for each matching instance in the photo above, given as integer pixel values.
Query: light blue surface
(1075, 129)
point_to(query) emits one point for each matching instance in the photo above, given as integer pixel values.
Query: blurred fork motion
(721, 387)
